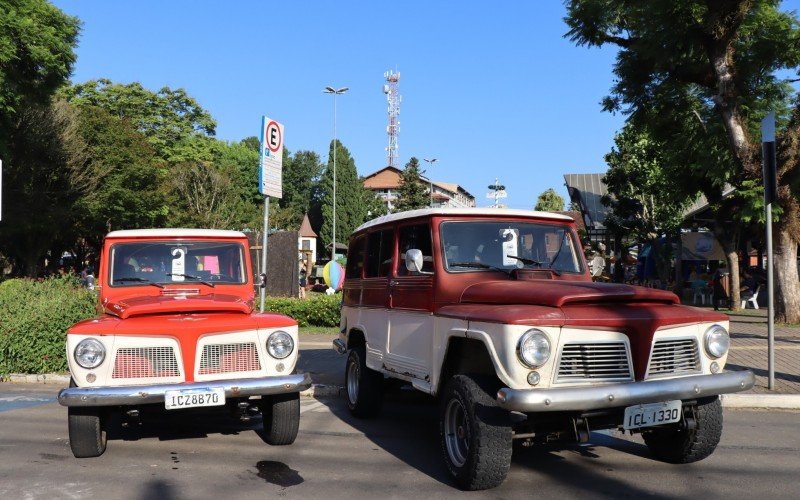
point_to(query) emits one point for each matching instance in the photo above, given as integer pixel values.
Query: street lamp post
(335, 92)
(431, 161)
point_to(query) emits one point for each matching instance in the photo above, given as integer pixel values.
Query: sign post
(270, 182)
(770, 193)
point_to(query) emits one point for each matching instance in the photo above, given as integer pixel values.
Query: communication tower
(393, 128)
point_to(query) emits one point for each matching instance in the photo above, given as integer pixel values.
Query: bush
(34, 318)
(316, 310)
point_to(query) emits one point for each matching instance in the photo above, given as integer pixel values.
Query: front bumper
(627, 394)
(148, 394)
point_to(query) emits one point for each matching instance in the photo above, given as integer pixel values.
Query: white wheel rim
(353, 374)
(456, 432)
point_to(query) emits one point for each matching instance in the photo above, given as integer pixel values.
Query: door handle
(393, 282)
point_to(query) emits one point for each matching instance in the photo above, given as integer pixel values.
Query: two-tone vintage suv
(494, 311)
(176, 330)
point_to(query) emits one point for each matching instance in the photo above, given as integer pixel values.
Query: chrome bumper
(627, 394)
(339, 346)
(146, 394)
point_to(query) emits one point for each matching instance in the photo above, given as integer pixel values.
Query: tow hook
(581, 428)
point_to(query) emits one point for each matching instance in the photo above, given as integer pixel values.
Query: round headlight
(717, 341)
(89, 353)
(533, 348)
(280, 344)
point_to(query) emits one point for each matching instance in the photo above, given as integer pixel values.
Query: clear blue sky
(491, 89)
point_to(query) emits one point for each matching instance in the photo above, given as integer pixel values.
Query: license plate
(192, 398)
(648, 415)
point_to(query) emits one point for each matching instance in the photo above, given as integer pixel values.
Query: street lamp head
(431, 160)
(331, 90)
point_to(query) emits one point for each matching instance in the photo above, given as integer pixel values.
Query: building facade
(385, 183)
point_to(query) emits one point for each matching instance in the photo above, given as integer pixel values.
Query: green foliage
(351, 199)
(316, 310)
(411, 194)
(301, 172)
(173, 122)
(36, 56)
(34, 318)
(550, 201)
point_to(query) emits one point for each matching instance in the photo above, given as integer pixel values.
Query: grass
(328, 330)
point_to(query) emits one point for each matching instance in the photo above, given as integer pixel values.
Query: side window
(380, 246)
(355, 258)
(417, 236)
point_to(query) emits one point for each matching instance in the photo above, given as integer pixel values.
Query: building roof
(385, 178)
(305, 228)
(477, 212)
(588, 190)
(172, 233)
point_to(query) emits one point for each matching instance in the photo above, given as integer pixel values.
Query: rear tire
(475, 434)
(364, 385)
(87, 435)
(681, 446)
(280, 415)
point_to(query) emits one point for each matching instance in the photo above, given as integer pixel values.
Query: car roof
(175, 233)
(473, 212)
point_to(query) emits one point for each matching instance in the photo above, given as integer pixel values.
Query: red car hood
(551, 293)
(141, 305)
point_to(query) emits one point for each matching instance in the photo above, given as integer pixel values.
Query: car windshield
(486, 245)
(167, 262)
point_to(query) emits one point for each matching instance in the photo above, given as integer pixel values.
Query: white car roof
(175, 233)
(476, 212)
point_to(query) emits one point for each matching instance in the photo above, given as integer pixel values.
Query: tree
(643, 199)
(550, 201)
(411, 194)
(300, 174)
(718, 62)
(36, 57)
(125, 178)
(351, 207)
(174, 123)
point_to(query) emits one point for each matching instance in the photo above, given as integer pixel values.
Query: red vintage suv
(176, 331)
(494, 312)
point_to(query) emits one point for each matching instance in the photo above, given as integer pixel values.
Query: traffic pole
(770, 193)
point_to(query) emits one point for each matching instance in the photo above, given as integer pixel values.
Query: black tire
(280, 415)
(87, 435)
(680, 446)
(475, 434)
(364, 386)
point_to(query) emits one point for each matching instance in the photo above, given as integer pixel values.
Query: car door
(410, 306)
(373, 317)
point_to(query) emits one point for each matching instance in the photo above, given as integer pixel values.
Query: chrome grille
(145, 362)
(598, 361)
(224, 358)
(674, 357)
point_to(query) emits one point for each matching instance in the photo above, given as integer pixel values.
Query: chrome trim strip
(617, 395)
(148, 394)
(339, 346)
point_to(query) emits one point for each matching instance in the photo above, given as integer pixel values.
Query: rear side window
(417, 236)
(380, 247)
(355, 258)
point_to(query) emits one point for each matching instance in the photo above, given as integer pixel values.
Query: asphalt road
(395, 456)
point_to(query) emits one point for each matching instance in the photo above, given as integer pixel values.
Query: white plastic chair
(753, 300)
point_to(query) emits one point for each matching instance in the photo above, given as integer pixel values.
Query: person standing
(302, 281)
(718, 288)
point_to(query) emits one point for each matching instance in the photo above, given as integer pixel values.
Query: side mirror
(414, 261)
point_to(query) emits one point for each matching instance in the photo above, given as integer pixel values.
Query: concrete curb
(44, 378)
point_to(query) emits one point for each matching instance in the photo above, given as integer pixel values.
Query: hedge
(35, 316)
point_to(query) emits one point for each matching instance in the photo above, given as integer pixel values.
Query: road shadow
(157, 423)
(408, 429)
(762, 372)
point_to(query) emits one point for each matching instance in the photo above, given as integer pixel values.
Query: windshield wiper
(480, 265)
(138, 280)
(198, 278)
(543, 265)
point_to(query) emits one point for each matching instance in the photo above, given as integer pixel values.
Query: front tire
(475, 434)
(364, 385)
(683, 446)
(280, 415)
(87, 434)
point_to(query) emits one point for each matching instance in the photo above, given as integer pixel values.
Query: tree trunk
(734, 293)
(727, 234)
(787, 285)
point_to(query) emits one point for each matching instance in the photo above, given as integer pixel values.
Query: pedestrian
(303, 281)
(718, 288)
